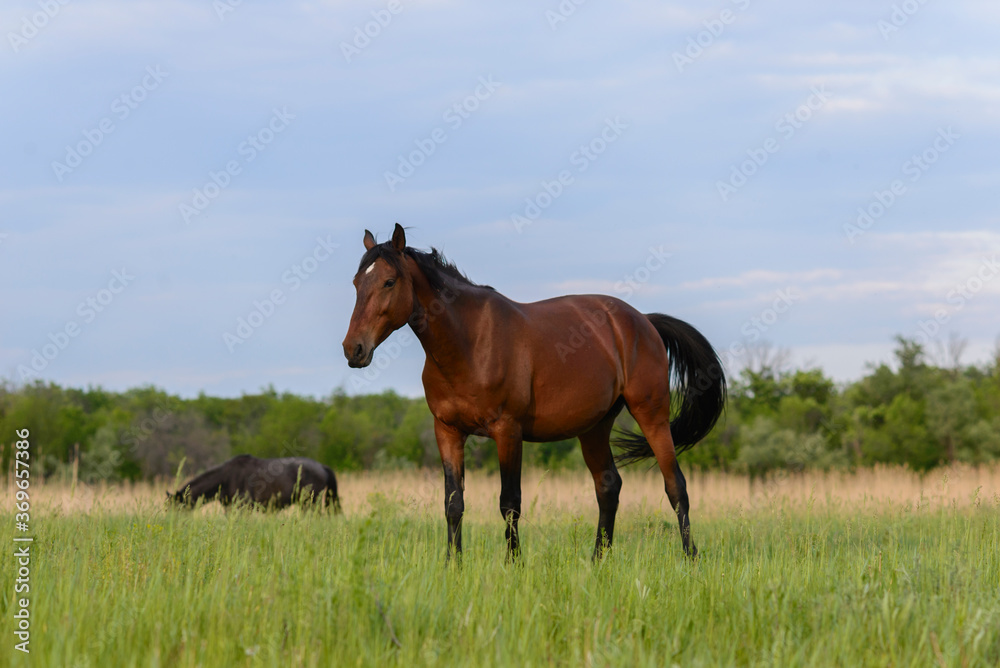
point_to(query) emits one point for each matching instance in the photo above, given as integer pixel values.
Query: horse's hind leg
(607, 481)
(652, 413)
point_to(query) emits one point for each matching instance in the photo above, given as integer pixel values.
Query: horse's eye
(391, 282)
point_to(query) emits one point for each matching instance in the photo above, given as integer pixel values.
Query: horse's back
(308, 468)
(591, 315)
(274, 481)
(304, 476)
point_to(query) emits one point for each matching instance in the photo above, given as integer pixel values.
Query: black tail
(697, 379)
(331, 491)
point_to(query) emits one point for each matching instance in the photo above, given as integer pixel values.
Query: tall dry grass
(571, 493)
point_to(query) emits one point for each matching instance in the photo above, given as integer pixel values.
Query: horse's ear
(399, 238)
(369, 240)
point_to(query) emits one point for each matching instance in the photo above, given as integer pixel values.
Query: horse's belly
(557, 427)
(571, 409)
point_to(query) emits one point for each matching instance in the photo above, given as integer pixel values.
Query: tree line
(914, 412)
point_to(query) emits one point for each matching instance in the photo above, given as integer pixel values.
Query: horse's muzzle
(358, 356)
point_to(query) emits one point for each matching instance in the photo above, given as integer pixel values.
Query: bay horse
(270, 483)
(543, 371)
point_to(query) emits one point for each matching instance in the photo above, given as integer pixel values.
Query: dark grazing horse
(271, 483)
(543, 371)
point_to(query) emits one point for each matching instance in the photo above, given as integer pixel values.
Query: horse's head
(180, 498)
(385, 297)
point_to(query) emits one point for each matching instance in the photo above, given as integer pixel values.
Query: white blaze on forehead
(370, 268)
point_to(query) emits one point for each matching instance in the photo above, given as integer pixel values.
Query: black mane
(434, 265)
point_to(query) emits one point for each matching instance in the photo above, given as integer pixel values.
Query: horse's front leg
(451, 445)
(508, 439)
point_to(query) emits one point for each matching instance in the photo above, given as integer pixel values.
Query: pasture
(877, 568)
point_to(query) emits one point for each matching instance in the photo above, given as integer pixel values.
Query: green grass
(774, 586)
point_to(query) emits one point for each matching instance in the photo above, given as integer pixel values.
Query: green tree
(951, 408)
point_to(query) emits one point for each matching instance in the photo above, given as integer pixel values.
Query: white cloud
(759, 276)
(876, 82)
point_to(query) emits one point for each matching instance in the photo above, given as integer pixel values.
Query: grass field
(881, 568)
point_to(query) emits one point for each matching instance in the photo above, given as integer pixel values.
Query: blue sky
(178, 162)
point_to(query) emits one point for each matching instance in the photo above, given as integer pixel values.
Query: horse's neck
(444, 323)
